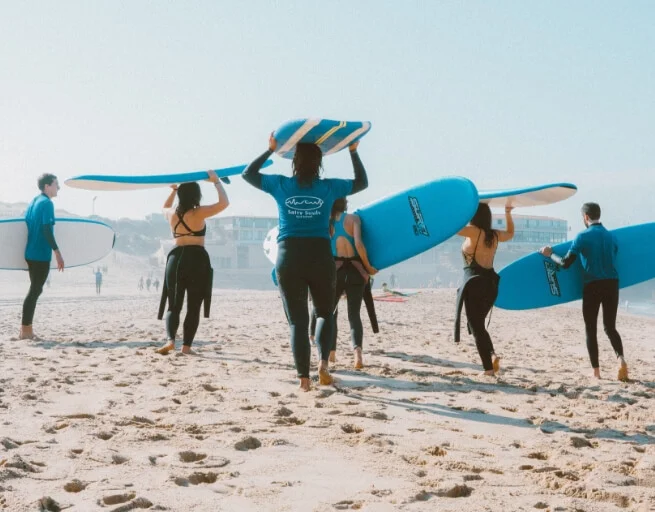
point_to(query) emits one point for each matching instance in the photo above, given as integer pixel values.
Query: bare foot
(166, 348)
(623, 371)
(26, 333)
(597, 373)
(489, 373)
(324, 377)
(305, 384)
(186, 349)
(333, 356)
(496, 364)
(359, 363)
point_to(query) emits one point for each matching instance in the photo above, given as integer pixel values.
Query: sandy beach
(92, 419)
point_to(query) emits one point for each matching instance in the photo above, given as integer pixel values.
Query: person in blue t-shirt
(304, 262)
(40, 219)
(597, 249)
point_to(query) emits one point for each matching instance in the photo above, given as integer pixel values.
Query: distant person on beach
(305, 263)
(156, 284)
(40, 220)
(392, 280)
(140, 283)
(148, 282)
(597, 249)
(480, 287)
(188, 269)
(353, 274)
(98, 275)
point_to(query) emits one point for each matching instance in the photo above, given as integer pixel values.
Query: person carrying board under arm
(40, 219)
(597, 249)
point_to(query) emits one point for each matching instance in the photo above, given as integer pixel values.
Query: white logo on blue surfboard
(304, 203)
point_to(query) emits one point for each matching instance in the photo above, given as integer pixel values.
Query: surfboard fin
(225, 180)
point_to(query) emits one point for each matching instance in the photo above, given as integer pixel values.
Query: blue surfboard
(331, 136)
(403, 225)
(114, 182)
(535, 281)
(528, 196)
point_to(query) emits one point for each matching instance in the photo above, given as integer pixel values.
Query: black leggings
(352, 282)
(304, 265)
(479, 298)
(187, 270)
(38, 271)
(605, 292)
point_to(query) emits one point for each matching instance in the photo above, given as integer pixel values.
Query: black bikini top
(469, 259)
(191, 232)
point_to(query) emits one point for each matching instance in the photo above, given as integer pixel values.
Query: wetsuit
(597, 249)
(477, 295)
(304, 260)
(188, 270)
(40, 220)
(351, 278)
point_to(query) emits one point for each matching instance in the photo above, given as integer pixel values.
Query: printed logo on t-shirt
(304, 203)
(551, 277)
(419, 224)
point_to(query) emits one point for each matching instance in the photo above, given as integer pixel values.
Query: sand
(92, 419)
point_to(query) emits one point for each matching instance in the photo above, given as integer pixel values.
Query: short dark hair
(592, 210)
(45, 179)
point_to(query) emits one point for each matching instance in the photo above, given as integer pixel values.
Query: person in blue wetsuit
(597, 249)
(353, 274)
(480, 288)
(304, 262)
(40, 220)
(188, 268)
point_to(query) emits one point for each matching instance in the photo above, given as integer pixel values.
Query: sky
(505, 93)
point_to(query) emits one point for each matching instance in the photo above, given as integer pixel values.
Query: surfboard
(405, 224)
(331, 136)
(115, 182)
(535, 281)
(81, 241)
(528, 196)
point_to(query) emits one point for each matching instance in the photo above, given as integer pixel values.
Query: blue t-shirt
(40, 212)
(304, 211)
(597, 248)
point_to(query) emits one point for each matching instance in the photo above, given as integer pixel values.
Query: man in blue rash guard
(597, 249)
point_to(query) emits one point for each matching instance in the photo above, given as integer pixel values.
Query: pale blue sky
(507, 93)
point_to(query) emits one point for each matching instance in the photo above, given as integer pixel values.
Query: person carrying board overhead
(353, 273)
(305, 262)
(480, 288)
(188, 268)
(597, 249)
(40, 219)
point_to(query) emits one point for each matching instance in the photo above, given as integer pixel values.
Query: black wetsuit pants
(352, 282)
(187, 271)
(480, 296)
(304, 265)
(38, 271)
(605, 292)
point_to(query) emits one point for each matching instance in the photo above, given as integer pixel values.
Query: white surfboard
(528, 196)
(81, 241)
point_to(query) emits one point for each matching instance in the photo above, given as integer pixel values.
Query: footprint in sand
(191, 456)
(75, 486)
(248, 443)
(117, 499)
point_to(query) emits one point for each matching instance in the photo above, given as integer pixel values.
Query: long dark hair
(482, 220)
(307, 163)
(339, 206)
(188, 197)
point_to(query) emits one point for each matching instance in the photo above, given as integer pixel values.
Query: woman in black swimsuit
(188, 269)
(480, 288)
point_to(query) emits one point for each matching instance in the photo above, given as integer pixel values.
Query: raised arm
(252, 173)
(223, 201)
(507, 234)
(361, 180)
(361, 248)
